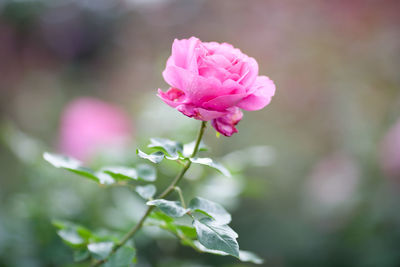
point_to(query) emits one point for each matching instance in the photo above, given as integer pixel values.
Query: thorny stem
(164, 194)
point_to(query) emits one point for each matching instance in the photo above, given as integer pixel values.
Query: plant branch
(179, 191)
(164, 194)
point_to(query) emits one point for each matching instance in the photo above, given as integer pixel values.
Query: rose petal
(199, 113)
(223, 102)
(226, 124)
(173, 97)
(184, 53)
(261, 95)
(249, 72)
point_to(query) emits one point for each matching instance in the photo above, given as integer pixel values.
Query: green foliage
(106, 175)
(146, 191)
(186, 233)
(123, 257)
(188, 148)
(245, 256)
(76, 236)
(216, 237)
(101, 250)
(171, 208)
(209, 231)
(81, 255)
(155, 157)
(212, 209)
(84, 242)
(248, 256)
(211, 163)
(119, 173)
(171, 148)
(146, 172)
(70, 164)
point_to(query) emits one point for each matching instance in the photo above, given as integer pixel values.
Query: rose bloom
(390, 152)
(212, 81)
(88, 125)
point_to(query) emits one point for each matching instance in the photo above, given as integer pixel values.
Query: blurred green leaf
(170, 147)
(146, 172)
(216, 237)
(80, 255)
(105, 178)
(71, 237)
(155, 157)
(171, 208)
(70, 164)
(188, 148)
(245, 256)
(248, 256)
(211, 209)
(72, 234)
(146, 191)
(160, 217)
(123, 257)
(209, 162)
(121, 173)
(100, 250)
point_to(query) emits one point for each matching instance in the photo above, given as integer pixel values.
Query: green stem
(164, 194)
(179, 191)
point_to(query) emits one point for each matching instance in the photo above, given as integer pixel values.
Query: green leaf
(81, 255)
(121, 173)
(245, 256)
(124, 257)
(188, 148)
(105, 178)
(70, 164)
(171, 148)
(211, 209)
(71, 237)
(187, 231)
(100, 250)
(160, 217)
(146, 191)
(72, 234)
(171, 208)
(209, 162)
(202, 248)
(146, 172)
(216, 237)
(155, 157)
(248, 256)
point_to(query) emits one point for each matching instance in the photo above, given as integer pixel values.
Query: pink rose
(212, 81)
(88, 124)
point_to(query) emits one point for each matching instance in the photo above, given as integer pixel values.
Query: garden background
(316, 173)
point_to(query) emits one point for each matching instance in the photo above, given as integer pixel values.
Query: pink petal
(223, 102)
(249, 72)
(184, 53)
(226, 124)
(199, 113)
(261, 95)
(178, 77)
(173, 97)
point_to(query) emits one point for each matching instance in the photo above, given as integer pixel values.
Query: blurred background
(317, 172)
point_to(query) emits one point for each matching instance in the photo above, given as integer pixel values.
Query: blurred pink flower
(88, 124)
(211, 81)
(390, 152)
(333, 180)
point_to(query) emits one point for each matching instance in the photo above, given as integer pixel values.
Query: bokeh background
(317, 172)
